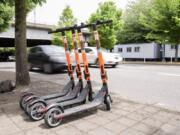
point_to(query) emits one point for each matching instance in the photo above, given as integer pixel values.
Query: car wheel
(114, 66)
(47, 68)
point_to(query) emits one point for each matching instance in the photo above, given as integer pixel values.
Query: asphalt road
(152, 84)
(158, 85)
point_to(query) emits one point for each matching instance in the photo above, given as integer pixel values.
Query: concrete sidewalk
(125, 118)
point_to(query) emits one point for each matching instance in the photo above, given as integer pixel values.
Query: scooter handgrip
(49, 32)
(103, 22)
(63, 29)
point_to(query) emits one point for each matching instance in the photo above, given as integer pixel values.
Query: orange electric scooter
(56, 113)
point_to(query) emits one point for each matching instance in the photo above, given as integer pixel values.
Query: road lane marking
(169, 74)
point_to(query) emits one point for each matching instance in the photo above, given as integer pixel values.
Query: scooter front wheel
(108, 102)
(50, 117)
(34, 113)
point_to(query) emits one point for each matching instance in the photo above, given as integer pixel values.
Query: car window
(38, 50)
(88, 50)
(32, 50)
(53, 49)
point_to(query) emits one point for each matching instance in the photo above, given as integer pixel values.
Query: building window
(120, 50)
(137, 49)
(128, 49)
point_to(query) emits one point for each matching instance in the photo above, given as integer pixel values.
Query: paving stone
(169, 129)
(131, 132)
(175, 121)
(115, 127)
(74, 122)
(86, 126)
(177, 132)
(101, 131)
(126, 121)
(121, 112)
(90, 117)
(7, 126)
(24, 122)
(129, 108)
(69, 130)
(136, 116)
(110, 116)
(12, 110)
(124, 104)
(99, 120)
(160, 132)
(151, 109)
(144, 113)
(38, 131)
(61, 126)
(164, 114)
(160, 118)
(152, 122)
(17, 133)
(144, 128)
(138, 106)
(102, 113)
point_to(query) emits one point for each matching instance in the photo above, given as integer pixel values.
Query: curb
(152, 63)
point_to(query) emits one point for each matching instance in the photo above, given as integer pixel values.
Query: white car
(110, 59)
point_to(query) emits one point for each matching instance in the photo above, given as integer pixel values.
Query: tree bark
(22, 74)
(176, 53)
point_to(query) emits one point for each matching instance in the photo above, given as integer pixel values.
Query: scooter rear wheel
(22, 102)
(50, 119)
(33, 111)
(27, 107)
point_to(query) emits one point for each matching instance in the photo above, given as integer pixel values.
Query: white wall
(147, 50)
(169, 52)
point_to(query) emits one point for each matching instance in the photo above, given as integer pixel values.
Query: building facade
(145, 51)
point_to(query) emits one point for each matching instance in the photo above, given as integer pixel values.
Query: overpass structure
(37, 34)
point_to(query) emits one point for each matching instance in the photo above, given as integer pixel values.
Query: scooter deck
(98, 100)
(71, 95)
(67, 88)
(82, 97)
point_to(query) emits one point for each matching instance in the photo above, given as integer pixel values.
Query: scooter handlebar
(81, 26)
(63, 29)
(103, 22)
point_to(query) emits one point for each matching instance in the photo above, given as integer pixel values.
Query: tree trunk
(22, 74)
(176, 53)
